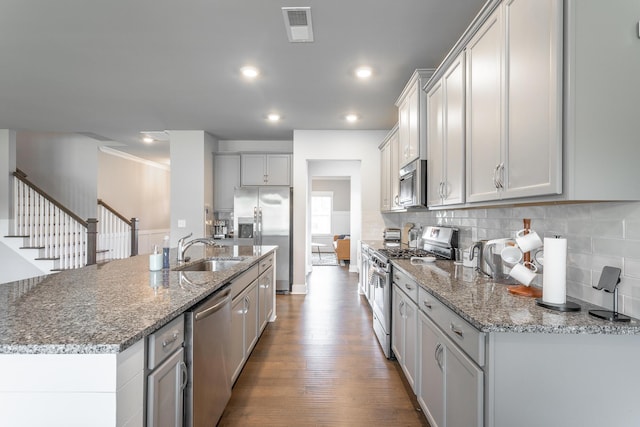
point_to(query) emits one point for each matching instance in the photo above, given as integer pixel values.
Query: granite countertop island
(108, 307)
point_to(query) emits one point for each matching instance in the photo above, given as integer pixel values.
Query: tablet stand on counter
(608, 282)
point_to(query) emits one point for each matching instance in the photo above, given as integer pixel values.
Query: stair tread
(47, 259)
(12, 236)
(32, 247)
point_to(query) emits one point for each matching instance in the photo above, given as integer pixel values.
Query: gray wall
(191, 155)
(63, 165)
(598, 234)
(135, 189)
(341, 189)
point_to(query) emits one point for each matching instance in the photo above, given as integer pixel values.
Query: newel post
(135, 226)
(92, 237)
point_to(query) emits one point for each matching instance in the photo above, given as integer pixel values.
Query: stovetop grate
(406, 253)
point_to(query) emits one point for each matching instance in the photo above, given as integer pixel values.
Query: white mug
(511, 255)
(528, 242)
(524, 273)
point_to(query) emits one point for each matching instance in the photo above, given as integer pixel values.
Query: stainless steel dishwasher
(209, 385)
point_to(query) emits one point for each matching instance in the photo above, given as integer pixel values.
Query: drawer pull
(409, 287)
(427, 304)
(171, 340)
(438, 355)
(456, 330)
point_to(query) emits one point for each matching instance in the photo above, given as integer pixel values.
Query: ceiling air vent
(297, 21)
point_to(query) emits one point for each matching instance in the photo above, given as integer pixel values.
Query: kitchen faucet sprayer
(182, 247)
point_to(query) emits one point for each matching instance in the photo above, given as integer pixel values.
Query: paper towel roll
(554, 275)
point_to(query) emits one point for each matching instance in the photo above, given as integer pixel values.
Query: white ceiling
(115, 68)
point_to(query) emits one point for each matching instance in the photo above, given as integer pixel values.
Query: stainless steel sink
(211, 264)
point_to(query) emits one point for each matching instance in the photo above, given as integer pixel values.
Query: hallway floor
(319, 364)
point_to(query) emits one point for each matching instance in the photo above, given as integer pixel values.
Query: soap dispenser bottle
(165, 252)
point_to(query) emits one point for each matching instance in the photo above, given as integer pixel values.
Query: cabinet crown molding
(420, 75)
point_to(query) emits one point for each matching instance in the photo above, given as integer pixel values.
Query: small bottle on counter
(155, 260)
(165, 252)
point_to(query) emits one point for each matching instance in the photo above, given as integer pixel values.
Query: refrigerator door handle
(259, 226)
(255, 223)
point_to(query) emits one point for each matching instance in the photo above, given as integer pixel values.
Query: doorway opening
(330, 220)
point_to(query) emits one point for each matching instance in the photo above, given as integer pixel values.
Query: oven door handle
(381, 275)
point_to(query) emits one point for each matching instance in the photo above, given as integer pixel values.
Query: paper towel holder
(608, 282)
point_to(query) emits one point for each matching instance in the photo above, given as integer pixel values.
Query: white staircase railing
(117, 236)
(47, 226)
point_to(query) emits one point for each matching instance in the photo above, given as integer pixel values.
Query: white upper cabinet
(446, 141)
(484, 90)
(390, 172)
(412, 118)
(394, 170)
(514, 102)
(266, 169)
(533, 91)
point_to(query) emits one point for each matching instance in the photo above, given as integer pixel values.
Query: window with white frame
(321, 209)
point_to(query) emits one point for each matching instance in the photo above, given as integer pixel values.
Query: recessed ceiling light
(363, 72)
(250, 72)
(351, 118)
(147, 139)
(273, 117)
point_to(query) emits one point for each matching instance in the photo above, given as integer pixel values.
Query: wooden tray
(525, 291)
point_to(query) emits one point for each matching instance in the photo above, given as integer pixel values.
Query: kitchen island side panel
(562, 379)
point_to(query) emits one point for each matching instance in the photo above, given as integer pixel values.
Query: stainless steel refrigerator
(262, 216)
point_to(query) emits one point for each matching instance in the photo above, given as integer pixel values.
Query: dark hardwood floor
(319, 364)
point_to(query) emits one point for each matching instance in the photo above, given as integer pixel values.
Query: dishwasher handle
(218, 302)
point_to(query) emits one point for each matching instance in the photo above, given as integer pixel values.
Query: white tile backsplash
(598, 234)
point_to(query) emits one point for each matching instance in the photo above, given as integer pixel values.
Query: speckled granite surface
(490, 307)
(106, 308)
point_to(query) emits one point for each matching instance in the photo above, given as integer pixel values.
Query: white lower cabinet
(251, 318)
(167, 376)
(265, 298)
(431, 381)
(165, 388)
(450, 389)
(244, 328)
(251, 308)
(404, 326)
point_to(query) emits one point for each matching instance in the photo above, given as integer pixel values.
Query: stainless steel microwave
(413, 184)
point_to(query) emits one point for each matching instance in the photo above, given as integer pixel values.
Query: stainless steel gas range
(440, 242)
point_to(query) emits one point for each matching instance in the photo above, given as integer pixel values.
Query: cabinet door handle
(438, 355)
(400, 308)
(501, 175)
(495, 177)
(409, 287)
(456, 330)
(427, 304)
(184, 375)
(247, 304)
